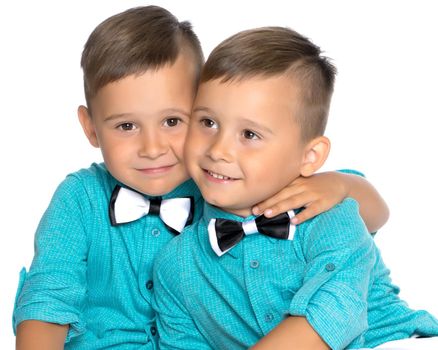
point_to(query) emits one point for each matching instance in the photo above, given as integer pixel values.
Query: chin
(213, 200)
(157, 189)
(156, 193)
(227, 206)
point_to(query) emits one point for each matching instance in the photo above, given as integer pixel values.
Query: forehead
(261, 97)
(259, 89)
(171, 86)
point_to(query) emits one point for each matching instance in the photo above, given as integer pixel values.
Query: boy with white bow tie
(90, 283)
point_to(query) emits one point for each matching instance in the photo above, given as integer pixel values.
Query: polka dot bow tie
(225, 234)
(127, 205)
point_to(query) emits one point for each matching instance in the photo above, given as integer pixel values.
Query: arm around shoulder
(372, 207)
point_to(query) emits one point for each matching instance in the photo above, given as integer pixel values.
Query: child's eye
(126, 126)
(250, 135)
(171, 122)
(208, 123)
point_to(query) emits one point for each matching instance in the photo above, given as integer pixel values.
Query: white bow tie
(127, 205)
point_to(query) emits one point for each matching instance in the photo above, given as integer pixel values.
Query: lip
(222, 179)
(156, 170)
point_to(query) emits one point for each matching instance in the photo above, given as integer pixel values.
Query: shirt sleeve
(54, 288)
(351, 171)
(176, 328)
(340, 256)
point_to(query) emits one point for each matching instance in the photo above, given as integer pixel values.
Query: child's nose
(152, 145)
(221, 148)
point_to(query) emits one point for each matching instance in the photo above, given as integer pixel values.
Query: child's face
(140, 124)
(243, 144)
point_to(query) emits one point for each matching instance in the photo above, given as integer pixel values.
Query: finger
(288, 193)
(295, 202)
(309, 212)
(302, 216)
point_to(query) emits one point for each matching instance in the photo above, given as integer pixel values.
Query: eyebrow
(164, 111)
(117, 116)
(203, 109)
(177, 110)
(245, 120)
(257, 125)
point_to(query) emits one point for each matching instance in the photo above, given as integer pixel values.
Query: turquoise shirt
(331, 273)
(91, 275)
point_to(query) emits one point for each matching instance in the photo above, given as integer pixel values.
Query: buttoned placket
(254, 270)
(155, 235)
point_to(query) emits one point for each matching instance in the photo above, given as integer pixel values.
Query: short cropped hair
(271, 51)
(134, 41)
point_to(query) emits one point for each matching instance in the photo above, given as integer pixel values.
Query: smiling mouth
(156, 170)
(219, 176)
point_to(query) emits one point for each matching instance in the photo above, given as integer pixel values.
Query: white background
(382, 122)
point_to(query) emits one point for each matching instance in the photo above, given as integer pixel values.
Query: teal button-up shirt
(91, 275)
(331, 273)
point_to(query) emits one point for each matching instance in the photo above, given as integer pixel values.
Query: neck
(239, 212)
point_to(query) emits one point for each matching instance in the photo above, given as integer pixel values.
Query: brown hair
(271, 51)
(134, 41)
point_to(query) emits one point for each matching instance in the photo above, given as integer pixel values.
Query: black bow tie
(127, 205)
(225, 234)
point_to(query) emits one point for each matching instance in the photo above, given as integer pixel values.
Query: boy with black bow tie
(234, 281)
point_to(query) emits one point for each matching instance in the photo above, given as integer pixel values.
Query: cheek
(194, 142)
(289, 168)
(110, 148)
(178, 144)
(259, 169)
(118, 150)
(190, 152)
(274, 164)
(177, 140)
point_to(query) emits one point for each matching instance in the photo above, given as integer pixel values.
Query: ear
(315, 155)
(88, 125)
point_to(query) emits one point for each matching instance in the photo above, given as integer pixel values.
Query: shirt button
(330, 267)
(153, 330)
(155, 232)
(254, 264)
(149, 284)
(269, 317)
